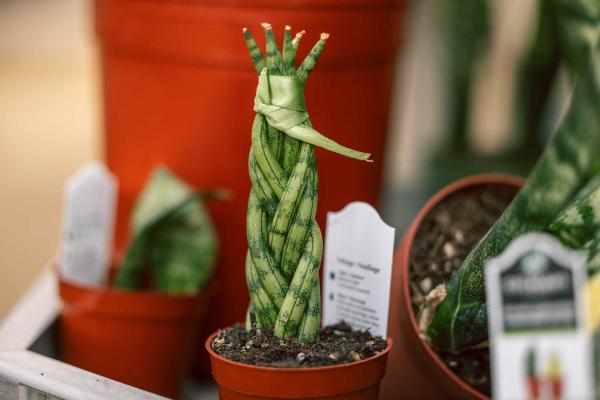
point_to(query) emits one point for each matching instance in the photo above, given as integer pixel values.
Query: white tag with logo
(88, 225)
(357, 274)
(540, 348)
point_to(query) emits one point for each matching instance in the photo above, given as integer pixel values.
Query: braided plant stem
(285, 244)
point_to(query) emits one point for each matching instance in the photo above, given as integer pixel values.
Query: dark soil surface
(442, 242)
(338, 344)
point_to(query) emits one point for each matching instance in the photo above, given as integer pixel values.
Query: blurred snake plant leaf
(465, 28)
(172, 236)
(578, 226)
(578, 28)
(563, 168)
(592, 249)
(580, 221)
(566, 35)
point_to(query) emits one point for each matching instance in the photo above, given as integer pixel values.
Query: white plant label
(357, 267)
(88, 225)
(540, 348)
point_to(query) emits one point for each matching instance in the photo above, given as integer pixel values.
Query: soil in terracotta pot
(338, 344)
(444, 239)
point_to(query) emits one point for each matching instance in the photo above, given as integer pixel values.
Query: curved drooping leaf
(578, 23)
(172, 236)
(592, 250)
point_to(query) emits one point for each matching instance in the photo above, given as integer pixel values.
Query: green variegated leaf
(460, 321)
(162, 193)
(284, 240)
(578, 31)
(464, 27)
(592, 249)
(580, 221)
(172, 235)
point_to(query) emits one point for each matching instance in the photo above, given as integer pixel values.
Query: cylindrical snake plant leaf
(284, 240)
(578, 31)
(580, 221)
(465, 31)
(592, 251)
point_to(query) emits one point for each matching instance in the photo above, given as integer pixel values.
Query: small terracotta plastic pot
(354, 381)
(415, 370)
(140, 338)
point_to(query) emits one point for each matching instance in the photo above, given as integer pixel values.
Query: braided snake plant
(284, 240)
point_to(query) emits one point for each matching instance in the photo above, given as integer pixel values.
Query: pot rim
(437, 198)
(106, 289)
(131, 305)
(212, 353)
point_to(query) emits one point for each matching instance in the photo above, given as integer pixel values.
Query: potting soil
(444, 239)
(337, 344)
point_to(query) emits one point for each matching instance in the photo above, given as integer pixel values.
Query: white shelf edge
(34, 312)
(64, 381)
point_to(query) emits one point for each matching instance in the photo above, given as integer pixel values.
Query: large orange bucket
(179, 86)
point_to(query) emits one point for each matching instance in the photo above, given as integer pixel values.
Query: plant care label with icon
(537, 308)
(90, 198)
(357, 267)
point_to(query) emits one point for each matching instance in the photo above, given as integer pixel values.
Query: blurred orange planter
(179, 85)
(144, 339)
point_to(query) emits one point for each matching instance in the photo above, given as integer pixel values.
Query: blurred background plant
(173, 243)
(484, 85)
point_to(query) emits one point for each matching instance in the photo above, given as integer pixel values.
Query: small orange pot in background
(415, 370)
(141, 338)
(354, 381)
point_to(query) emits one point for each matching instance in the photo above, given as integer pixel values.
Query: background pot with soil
(561, 196)
(282, 352)
(142, 330)
(434, 246)
(559, 179)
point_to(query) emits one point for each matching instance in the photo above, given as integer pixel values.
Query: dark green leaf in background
(173, 236)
